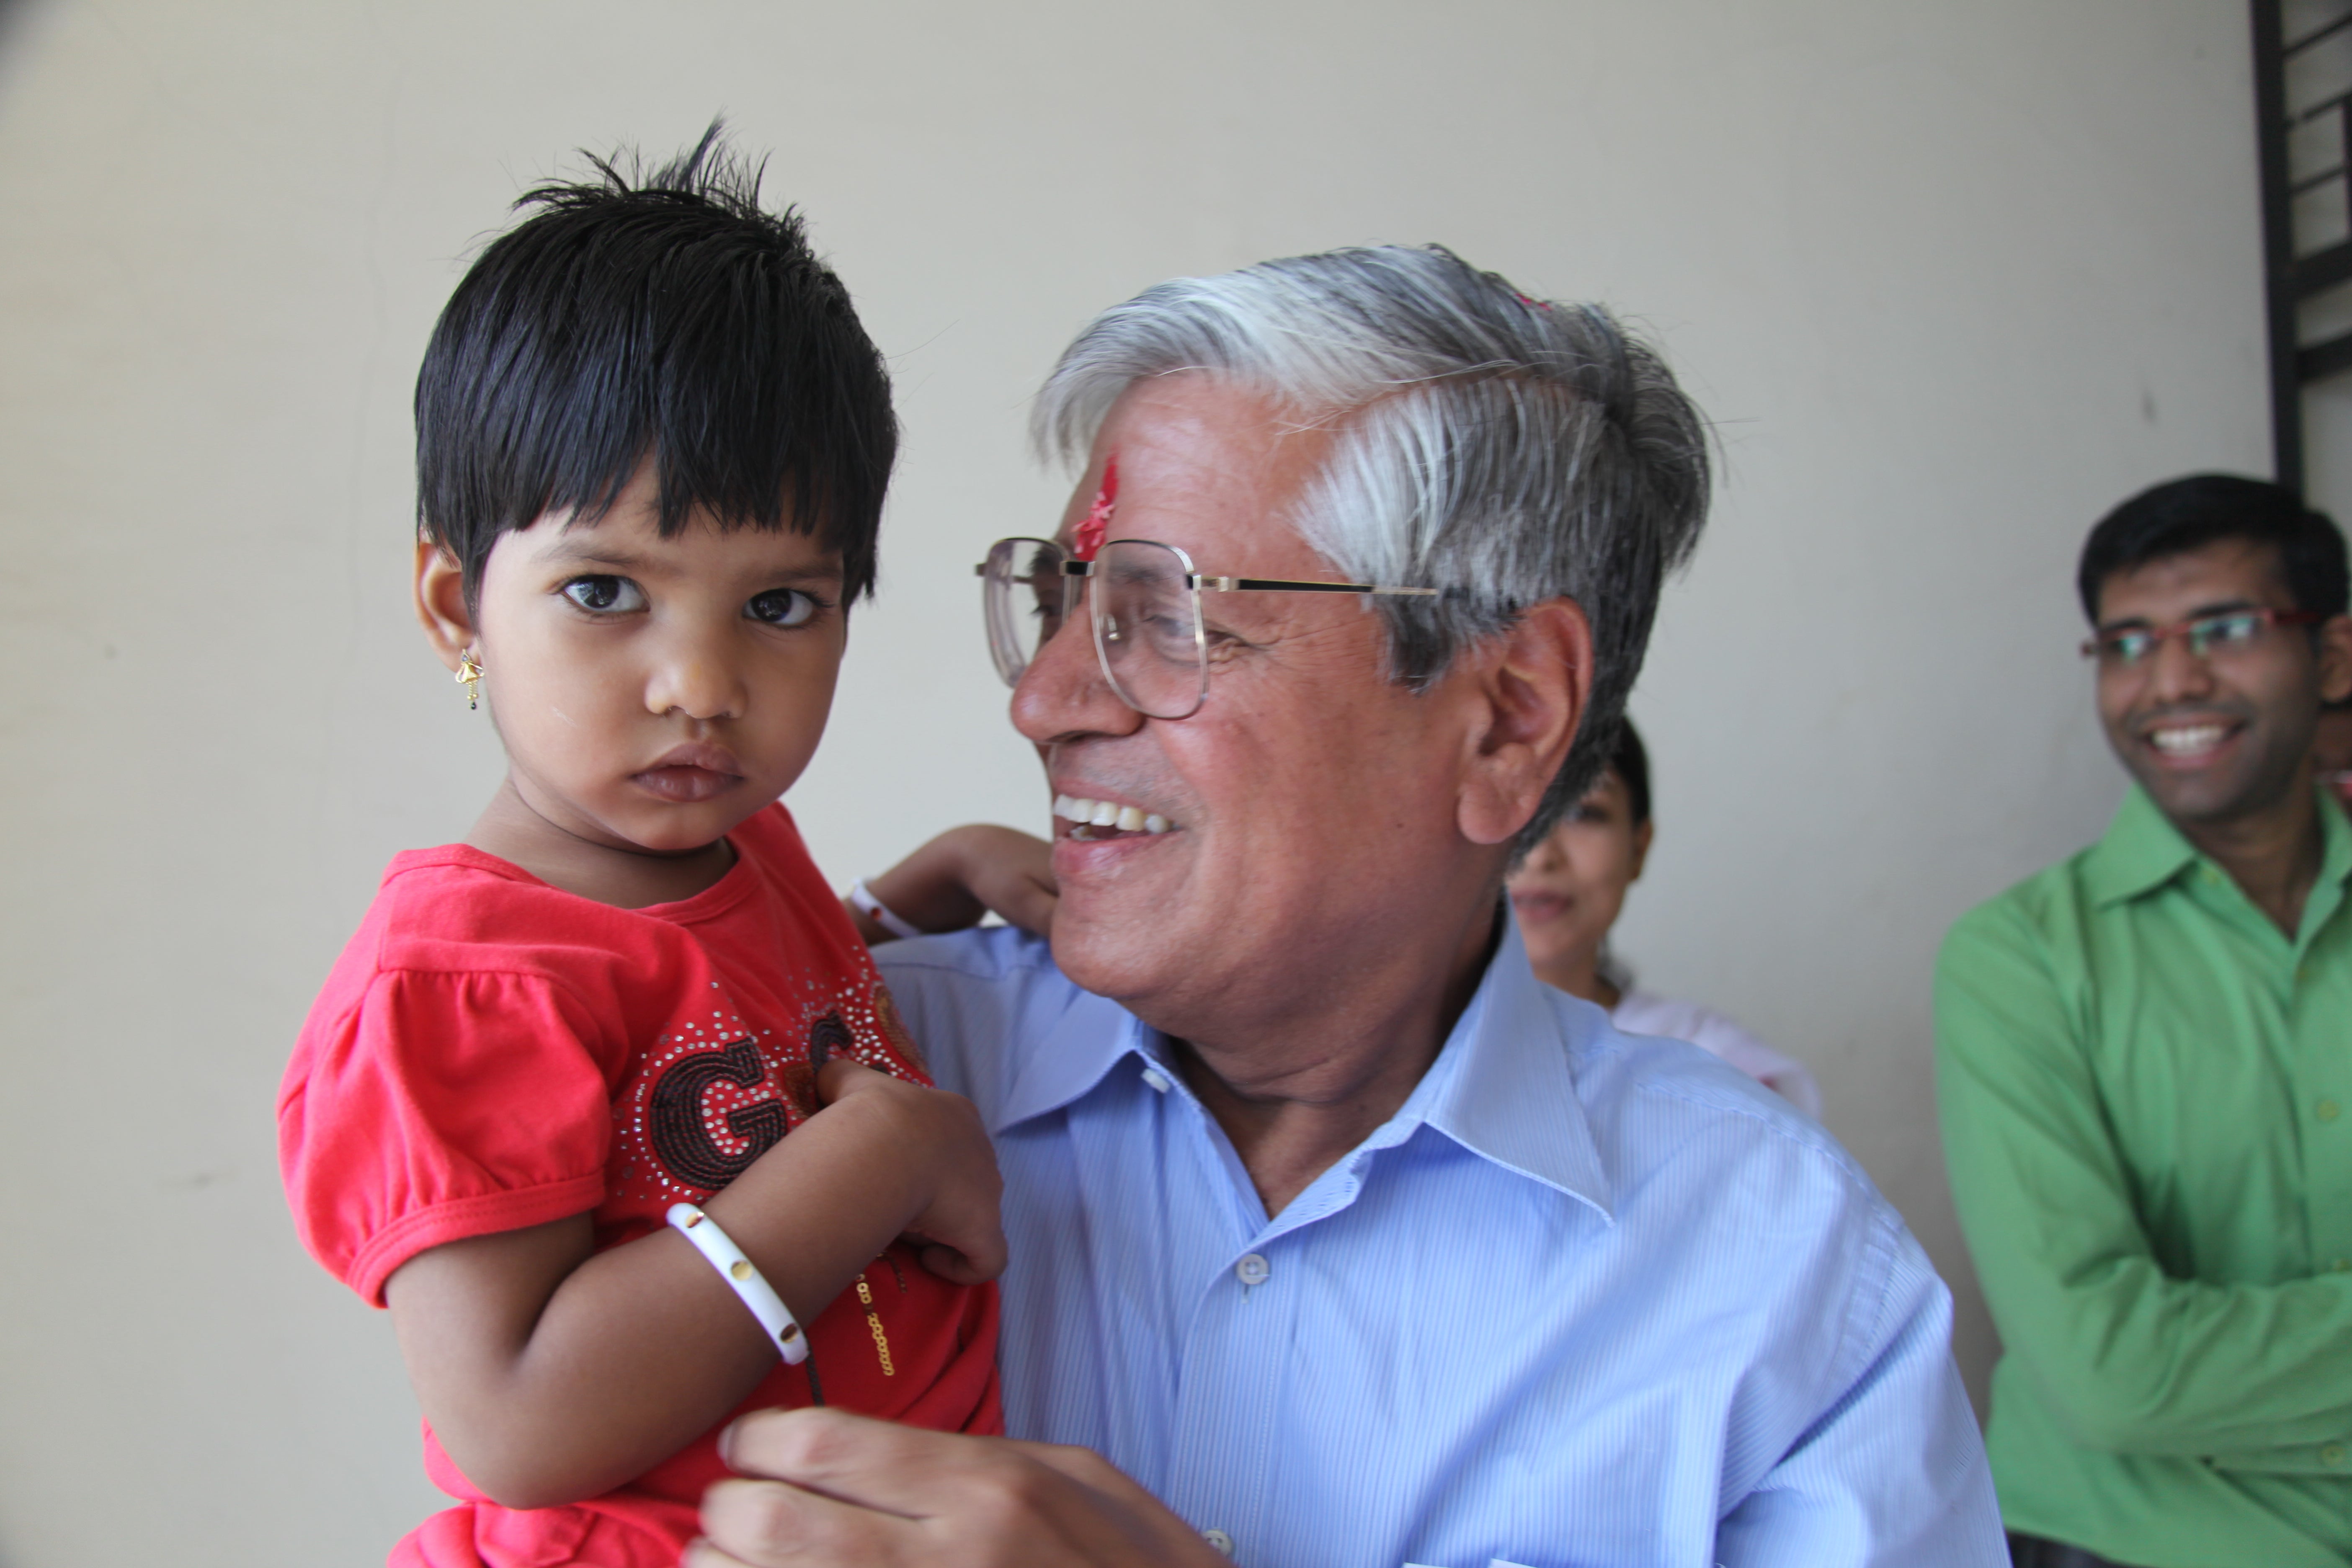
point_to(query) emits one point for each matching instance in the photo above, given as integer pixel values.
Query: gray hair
(1505, 450)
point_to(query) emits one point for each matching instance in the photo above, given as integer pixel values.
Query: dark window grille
(2303, 104)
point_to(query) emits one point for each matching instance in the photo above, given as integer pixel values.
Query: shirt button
(2342, 1266)
(1156, 1078)
(2327, 1111)
(1253, 1269)
(2332, 1456)
(1220, 1539)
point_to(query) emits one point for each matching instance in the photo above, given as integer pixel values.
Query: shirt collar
(1501, 1087)
(2335, 862)
(2143, 851)
(1062, 1063)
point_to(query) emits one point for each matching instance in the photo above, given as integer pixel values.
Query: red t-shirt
(491, 1053)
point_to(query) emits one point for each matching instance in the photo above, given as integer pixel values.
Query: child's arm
(962, 875)
(552, 1373)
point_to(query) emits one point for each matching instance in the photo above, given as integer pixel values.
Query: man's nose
(2177, 673)
(694, 674)
(1063, 692)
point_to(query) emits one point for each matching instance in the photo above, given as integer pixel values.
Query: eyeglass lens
(1022, 597)
(2205, 636)
(1146, 618)
(1146, 624)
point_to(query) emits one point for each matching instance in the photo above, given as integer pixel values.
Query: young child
(652, 446)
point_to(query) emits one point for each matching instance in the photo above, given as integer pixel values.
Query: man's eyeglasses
(1146, 604)
(2226, 632)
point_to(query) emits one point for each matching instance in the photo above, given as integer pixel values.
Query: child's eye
(606, 595)
(781, 607)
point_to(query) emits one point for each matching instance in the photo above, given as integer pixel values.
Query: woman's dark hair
(2187, 514)
(1630, 763)
(663, 315)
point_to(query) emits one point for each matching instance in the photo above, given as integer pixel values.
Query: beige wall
(1950, 278)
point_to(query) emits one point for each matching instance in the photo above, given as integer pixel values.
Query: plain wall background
(1951, 280)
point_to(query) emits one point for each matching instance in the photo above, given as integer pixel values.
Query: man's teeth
(1108, 813)
(2182, 742)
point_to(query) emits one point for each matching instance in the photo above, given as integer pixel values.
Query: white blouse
(1640, 1012)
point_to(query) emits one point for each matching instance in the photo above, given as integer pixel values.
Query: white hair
(1505, 450)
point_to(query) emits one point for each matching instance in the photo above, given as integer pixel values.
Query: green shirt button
(2342, 1266)
(2332, 1455)
(2327, 1111)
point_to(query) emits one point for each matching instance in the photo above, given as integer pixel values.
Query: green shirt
(2146, 1090)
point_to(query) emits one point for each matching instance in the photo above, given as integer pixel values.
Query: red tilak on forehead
(1096, 526)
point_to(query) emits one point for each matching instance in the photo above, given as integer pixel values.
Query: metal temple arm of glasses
(1257, 584)
(1198, 580)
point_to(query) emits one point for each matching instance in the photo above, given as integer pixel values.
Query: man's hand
(958, 1228)
(837, 1488)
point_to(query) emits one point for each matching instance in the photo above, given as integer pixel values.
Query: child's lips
(687, 786)
(692, 772)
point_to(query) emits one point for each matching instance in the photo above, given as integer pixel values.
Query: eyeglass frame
(1073, 571)
(2093, 646)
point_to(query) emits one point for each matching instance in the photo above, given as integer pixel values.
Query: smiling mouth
(1092, 821)
(2180, 742)
(1536, 907)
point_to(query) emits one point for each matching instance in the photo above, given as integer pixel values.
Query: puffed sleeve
(442, 1106)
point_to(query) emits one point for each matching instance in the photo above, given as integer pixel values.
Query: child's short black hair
(661, 315)
(2187, 514)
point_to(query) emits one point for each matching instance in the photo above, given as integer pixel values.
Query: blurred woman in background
(1568, 893)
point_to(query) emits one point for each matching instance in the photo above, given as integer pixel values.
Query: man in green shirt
(2145, 1070)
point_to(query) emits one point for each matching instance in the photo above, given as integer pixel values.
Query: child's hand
(1009, 871)
(552, 1370)
(964, 874)
(960, 1232)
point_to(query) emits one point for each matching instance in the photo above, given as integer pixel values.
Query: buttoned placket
(2316, 994)
(2313, 995)
(1224, 1457)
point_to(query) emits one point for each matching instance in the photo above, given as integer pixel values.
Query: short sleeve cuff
(463, 1219)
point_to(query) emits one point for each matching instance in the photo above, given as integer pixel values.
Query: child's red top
(491, 1053)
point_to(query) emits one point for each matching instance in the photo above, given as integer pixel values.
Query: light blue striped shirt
(1588, 1298)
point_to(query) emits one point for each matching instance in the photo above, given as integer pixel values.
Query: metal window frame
(2290, 279)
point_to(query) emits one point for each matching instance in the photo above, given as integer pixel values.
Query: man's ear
(2335, 658)
(1529, 685)
(441, 603)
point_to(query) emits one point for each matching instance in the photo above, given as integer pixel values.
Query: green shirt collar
(2142, 850)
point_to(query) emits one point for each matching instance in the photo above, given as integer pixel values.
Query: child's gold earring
(469, 675)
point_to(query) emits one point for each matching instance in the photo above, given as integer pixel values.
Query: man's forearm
(2128, 1357)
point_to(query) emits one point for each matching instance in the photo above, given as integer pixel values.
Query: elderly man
(1333, 1230)
(2142, 1067)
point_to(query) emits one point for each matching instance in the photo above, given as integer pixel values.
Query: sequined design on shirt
(713, 1094)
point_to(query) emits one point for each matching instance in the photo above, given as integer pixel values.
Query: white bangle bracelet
(880, 913)
(744, 1279)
